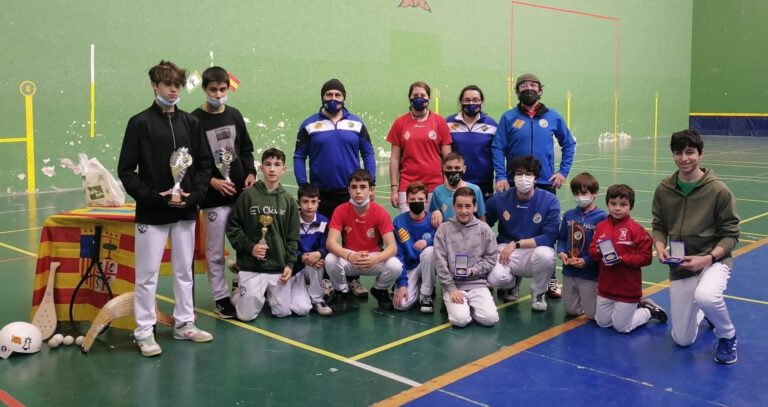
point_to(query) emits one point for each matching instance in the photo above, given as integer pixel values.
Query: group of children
(284, 246)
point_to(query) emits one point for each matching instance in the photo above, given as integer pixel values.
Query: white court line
(385, 373)
(460, 397)
(27, 209)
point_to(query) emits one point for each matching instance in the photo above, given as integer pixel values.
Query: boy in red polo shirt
(359, 224)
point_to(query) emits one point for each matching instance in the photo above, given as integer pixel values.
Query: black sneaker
(382, 296)
(427, 307)
(338, 301)
(225, 309)
(656, 311)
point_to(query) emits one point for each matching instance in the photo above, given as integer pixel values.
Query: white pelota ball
(79, 340)
(68, 340)
(59, 337)
(54, 342)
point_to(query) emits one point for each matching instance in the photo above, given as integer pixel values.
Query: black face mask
(528, 97)
(453, 177)
(416, 207)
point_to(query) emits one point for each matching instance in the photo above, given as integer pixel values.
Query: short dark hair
(361, 175)
(453, 155)
(215, 74)
(309, 191)
(526, 162)
(415, 187)
(621, 191)
(168, 73)
(464, 191)
(586, 181)
(419, 84)
(273, 153)
(471, 87)
(684, 139)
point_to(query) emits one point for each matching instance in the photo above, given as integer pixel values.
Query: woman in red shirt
(420, 139)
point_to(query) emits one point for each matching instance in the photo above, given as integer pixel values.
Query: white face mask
(360, 205)
(582, 201)
(524, 183)
(165, 102)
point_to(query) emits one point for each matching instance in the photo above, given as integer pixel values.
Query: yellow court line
(266, 333)
(401, 341)
(754, 217)
(16, 249)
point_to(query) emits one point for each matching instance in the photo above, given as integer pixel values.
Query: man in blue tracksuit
(334, 140)
(527, 130)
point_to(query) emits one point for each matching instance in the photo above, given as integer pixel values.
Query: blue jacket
(334, 151)
(537, 218)
(588, 222)
(474, 143)
(311, 239)
(408, 232)
(520, 135)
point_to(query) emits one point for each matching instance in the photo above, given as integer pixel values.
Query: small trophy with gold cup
(180, 161)
(223, 160)
(265, 221)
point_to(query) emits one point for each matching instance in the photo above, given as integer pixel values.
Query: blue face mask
(470, 109)
(165, 102)
(333, 106)
(213, 102)
(419, 104)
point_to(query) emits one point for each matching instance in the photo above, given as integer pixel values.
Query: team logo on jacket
(543, 123)
(318, 125)
(403, 235)
(454, 126)
(484, 127)
(142, 228)
(426, 236)
(350, 125)
(518, 124)
(506, 216)
(347, 229)
(432, 135)
(443, 208)
(212, 215)
(407, 135)
(371, 233)
(623, 233)
(537, 218)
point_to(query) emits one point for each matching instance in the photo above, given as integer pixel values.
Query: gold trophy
(265, 221)
(577, 240)
(180, 161)
(223, 160)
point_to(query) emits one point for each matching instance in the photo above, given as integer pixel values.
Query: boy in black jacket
(166, 201)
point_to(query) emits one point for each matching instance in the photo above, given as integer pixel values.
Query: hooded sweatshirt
(702, 220)
(244, 228)
(475, 240)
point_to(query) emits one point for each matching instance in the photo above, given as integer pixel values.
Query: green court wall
(282, 52)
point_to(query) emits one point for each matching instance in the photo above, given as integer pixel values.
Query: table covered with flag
(68, 238)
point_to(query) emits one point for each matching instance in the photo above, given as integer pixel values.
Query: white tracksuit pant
(150, 243)
(215, 229)
(338, 269)
(623, 316)
(255, 289)
(701, 295)
(537, 263)
(306, 290)
(421, 279)
(478, 305)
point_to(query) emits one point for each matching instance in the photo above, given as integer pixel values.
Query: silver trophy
(180, 161)
(223, 160)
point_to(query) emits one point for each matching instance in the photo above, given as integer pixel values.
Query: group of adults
(334, 140)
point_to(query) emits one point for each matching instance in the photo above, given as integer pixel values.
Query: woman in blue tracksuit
(472, 132)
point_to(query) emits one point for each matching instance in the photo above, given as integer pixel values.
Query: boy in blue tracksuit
(528, 229)
(576, 230)
(306, 291)
(415, 234)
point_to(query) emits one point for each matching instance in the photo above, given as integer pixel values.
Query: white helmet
(20, 337)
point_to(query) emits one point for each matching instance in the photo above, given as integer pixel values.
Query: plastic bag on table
(100, 187)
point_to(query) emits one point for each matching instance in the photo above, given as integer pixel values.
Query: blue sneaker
(726, 351)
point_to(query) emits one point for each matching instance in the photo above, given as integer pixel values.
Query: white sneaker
(148, 346)
(189, 332)
(323, 309)
(539, 302)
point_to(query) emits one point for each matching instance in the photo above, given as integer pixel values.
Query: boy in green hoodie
(263, 229)
(695, 211)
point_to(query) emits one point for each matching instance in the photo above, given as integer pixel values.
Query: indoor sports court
(625, 75)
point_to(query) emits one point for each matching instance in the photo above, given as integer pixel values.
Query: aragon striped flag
(234, 83)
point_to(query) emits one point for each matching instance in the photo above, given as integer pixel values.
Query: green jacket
(704, 219)
(244, 228)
